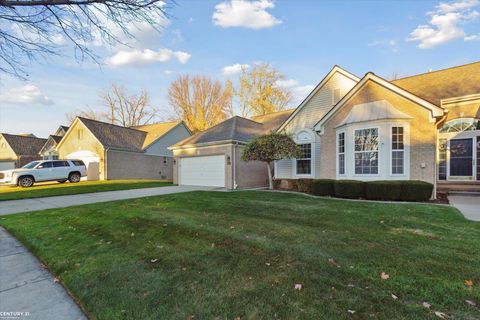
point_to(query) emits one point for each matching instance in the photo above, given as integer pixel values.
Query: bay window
(366, 151)
(304, 161)
(398, 153)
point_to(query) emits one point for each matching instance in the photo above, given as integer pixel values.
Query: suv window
(78, 162)
(45, 165)
(57, 164)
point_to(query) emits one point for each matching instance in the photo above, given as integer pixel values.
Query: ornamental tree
(268, 148)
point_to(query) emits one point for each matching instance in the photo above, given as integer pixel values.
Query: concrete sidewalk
(26, 287)
(25, 205)
(469, 205)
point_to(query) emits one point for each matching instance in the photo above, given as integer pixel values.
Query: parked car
(40, 171)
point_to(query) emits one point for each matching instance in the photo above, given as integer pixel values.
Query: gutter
(105, 162)
(234, 166)
(206, 144)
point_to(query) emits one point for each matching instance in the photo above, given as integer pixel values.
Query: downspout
(234, 166)
(105, 162)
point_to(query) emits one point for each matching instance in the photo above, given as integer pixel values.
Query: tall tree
(200, 101)
(268, 148)
(86, 113)
(127, 109)
(259, 91)
(30, 29)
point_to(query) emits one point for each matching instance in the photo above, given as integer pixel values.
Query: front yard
(49, 189)
(259, 255)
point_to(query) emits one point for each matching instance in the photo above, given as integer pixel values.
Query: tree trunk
(270, 182)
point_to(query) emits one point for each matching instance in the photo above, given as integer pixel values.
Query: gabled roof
(376, 110)
(435, 111)
(442, 84)
(24, 145)
(56, 139)
(50, 143)
(330, 74)
(65, 128)
(157, 130)
(115, 137)
(237, 129)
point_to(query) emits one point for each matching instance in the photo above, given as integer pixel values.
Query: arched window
(460, 125)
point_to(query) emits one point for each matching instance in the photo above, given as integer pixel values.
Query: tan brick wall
(248, 174)
(134, 165)
(422, 133)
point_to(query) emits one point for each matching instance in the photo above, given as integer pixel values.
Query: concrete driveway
(25, 205)
(469, 205)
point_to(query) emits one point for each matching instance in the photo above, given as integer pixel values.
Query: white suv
(48, 170)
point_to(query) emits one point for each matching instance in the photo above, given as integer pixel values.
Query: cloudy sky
(303, 39)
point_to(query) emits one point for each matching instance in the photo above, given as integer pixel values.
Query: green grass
(226, 255)
(61, 189)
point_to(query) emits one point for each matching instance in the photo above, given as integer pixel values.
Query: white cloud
(473, 37)
(234, 69)
(246, 14)
(146, 56)
(287, 83)
(298, 91)
(445, 24)
(389, 44)
(25, 95)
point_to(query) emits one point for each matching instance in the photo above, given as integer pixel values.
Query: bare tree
(87, 113)
(259, 91)
(127, 109)
(200, 101)
(31, 29)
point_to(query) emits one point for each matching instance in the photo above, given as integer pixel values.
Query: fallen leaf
(56, 280)
(237, 318)
(471, 302)
(332, 261)
(381, 221)
(394, 297)
(132, 234)
(351, 311)
(469, 283)
(350, 285)
(384, 276)
(154, 260)
(441, 315)
(267, 264)
(298, 286)
(426, 305)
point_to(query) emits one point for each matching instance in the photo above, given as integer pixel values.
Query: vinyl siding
(160, 147)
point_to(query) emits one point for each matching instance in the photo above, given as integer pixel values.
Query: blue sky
(303, 39)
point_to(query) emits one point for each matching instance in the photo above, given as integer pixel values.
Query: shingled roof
(237, 129)
(156, 130)
(24, 145)
(115, 137)
(442, 84)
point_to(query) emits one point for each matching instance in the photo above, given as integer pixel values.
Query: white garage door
(202, 171)
(7, 165)
(92, 162)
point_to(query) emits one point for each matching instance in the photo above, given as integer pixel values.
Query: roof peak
(109, 124)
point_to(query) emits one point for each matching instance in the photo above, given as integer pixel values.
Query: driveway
(24, 205)
(469, 205)
(28, 291)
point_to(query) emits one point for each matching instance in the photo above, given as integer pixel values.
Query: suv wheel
(74, 177)
(25, 182)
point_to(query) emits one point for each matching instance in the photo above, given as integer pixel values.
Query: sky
(302, 39)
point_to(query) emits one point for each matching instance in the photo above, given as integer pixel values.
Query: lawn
(61, 189)
(215, 255)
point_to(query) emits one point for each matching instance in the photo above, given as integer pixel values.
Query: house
(18, 150)
(115, 152)
(212, 157)
(48, 151)
(423, 127)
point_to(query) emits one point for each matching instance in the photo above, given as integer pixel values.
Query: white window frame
(379, 151)
(339, 132)
(396, 150)
(406, 150)
(305, 136)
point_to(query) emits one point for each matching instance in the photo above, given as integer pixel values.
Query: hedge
(351, 189)
(323, 187)
(414, 190)
(383, 190)
(304, 185)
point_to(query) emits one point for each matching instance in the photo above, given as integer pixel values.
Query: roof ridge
(435, 71)
(22, 136)
(152, 124)
(110, 124)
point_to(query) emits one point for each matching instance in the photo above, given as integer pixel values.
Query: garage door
(202, 171)
(92, 162)
(7, 165)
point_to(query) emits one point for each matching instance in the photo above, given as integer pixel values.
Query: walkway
(469, 205)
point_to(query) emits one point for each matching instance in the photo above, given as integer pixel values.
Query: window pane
(304, 161)
(366, 151)
(341, 164)
(303, 166)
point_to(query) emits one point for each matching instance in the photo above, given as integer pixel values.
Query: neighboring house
(116, 152)
(18, 150)
(212, 157)
(49, 151)
(424, 127)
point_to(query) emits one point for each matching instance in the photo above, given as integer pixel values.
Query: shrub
(285, 184)
(323, 187)
(276, 183)
(304, 185)
(414, 190)
(352, 189)
(383, 190)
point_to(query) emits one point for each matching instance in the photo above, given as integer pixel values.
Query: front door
(461, 159)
